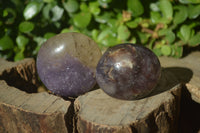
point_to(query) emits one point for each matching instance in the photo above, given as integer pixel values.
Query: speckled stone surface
(66, 64)
(128, 71)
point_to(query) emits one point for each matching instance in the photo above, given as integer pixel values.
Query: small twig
(154, 33)
(147, 30)
(159, 26)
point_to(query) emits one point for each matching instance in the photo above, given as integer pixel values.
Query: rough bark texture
(22, 112)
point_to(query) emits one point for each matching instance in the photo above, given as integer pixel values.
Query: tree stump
(22, 112)
(184, 68)
(172, 107)
(98, 112)
(190, 102)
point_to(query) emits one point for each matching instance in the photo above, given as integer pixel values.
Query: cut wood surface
(187, 70)
(21, 112)
(97, 112)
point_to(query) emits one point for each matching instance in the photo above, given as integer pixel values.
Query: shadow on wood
(14, 79)
(21, 74)
(170, 77)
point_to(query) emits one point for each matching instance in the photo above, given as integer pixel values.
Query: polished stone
(66, 64)
(128, 71)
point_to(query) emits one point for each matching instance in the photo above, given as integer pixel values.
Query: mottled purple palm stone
(128, 71)
(66, 64)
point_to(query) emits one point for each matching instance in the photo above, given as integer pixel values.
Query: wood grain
(98, 112)
(171, 107)
(187, 71)
(22, 112)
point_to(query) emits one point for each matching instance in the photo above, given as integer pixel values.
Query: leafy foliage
(161, 25)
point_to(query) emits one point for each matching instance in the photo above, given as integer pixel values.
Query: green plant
(161, 25)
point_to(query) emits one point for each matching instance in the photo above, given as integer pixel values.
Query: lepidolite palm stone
(66, 64)
(128, 71)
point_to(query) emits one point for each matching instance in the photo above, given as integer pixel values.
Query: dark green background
(168, 27)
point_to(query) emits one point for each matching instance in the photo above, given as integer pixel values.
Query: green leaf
(132, 24)
(32, 9)
(48, 1)
(181, 15)
(49, 35)
(57, 13)
(5, 12)
(166, 50)
(95, 11)
(195, 40)
(166, 9)
(82, 19)
(71, 6)
(66, 30)
(104, 3)
(107, 38)
(103, 35)
(6, 43)
(94, 8)
(19, 56)
(46, 10)
(103, 18)
(155, 17)
(185, 33)
(21, 41)
(10, 15)
(109, 42)
(113, 23)
(177, 51)
(53, 12)
(168, 34)
(157, 51)
(154, 7)
(95, 34)
(39, 41)
(103, 27)
(136, 7)
(133, 40)
(189, 1)
(123, 33)
(194, 11)
(26, 26)
(84, 7)
(143, 37)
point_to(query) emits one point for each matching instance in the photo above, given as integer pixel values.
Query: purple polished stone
(66, 64)
(128, 71)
